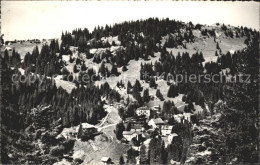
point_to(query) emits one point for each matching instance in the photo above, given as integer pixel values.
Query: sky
(47, 19)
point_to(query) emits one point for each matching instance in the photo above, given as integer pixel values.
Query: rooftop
(105, 159)
(174, 134)
(128, 132)
(143, 108)
(168, 127)
(158, 121)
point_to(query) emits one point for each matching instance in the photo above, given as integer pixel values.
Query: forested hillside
(135, 64)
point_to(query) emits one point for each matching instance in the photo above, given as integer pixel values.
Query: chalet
(86, 132)
(165, 140)
(168, 139)
(89, 130)
(156, 108)
(156, 123)
(137, 126)
(106, 160)
(185, 116)
(129, 119)
(166, 130)
(136, 148)
(37, 41)
(179, 118)
(143, 111)
(129, 135)
(188, 116)
(8, 49)
(155, 111)
(171, 137)
(72, 134)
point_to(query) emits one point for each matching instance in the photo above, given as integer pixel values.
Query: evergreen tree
(124, 68)
(159, 95)
(6, 57)
(121, 160)
(163, 154)
(75, 69)
(146, 96)
(143, 157)
(128, 128)
(217, 46)
(152, 83)
(129, 87)
(119, 130)
(114, 70)
(102, 69)
(83, 67)
(216, 53)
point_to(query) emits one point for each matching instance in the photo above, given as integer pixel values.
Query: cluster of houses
(139, 129)
(142, 125)
(84, 132)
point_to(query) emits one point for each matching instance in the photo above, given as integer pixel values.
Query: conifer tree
(159, 95)
(102, 69)
(152, 83)
(217, 46)
(6, 57)
(146, 96)
(121, 160)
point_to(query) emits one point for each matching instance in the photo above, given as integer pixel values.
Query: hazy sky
(31, 19)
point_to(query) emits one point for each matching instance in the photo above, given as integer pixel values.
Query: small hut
(106, 160)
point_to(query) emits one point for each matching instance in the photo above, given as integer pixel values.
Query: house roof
(128, 132)
(157, 121)
(167, 127)
(143, 108)
(174, 134)
(156, 108)
(105, 159)
(188, 114)
(136, 126)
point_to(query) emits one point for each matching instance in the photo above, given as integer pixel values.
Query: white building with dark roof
(166, 130)
(106, 160)
(129, 135)
(171, 136)
(156, 123)
(143, 111)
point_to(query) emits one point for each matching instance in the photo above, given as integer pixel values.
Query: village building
(166, 130)
(185, 116)
(129, 135)
(106, 160)
(156, 108)
(179, 118)
(143, 111)
(72, 134)
(136, 148)
(171, 136)
(155, 111)
(156, 123)
(129, 119)
(188, 116)
(8, 49)
(168, 139)
(137, 126)
(86, 132)
(37, 41)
